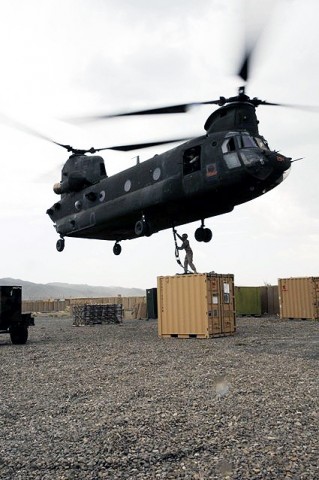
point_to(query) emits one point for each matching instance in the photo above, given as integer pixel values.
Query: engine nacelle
(73, 183)
(79, 172)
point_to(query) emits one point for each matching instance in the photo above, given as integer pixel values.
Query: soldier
(188, 252)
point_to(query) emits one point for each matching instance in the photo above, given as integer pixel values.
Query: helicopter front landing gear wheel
(60, 245)
(203, 234)
(117, 249)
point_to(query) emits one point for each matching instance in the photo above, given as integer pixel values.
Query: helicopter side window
(229, 145)
(230, 154)
(191, 160)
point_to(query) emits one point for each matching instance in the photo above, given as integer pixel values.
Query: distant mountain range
(56, 290)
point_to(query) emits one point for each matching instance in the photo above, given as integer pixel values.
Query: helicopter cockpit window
(230, 154)
(191, 160)
(262, 143)
(250, 149)
(247, 141)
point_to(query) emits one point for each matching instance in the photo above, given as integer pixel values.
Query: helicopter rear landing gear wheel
(60, 245)
(142, 228)
(117, 249)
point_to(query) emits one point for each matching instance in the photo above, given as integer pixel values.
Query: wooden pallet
(195, 335)
(184, 335)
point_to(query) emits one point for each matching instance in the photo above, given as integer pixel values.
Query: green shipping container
(248, 301)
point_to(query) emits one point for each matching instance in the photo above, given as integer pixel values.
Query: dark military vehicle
(12, 321)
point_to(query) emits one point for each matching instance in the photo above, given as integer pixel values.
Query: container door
(214, 306)
(221, 309)
(228, 305)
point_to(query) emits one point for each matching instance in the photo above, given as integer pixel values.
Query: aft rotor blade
(138, 146)
(35, 133)
(24, 128)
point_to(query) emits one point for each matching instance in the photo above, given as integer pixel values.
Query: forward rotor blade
(138, 146)
(245, 65)
(307, 108)
(152, 111)
(182, 108)
(256, 18)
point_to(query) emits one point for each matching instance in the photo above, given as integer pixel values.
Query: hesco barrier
(257, 300)
(135, 307)
(45, 306)
(132, 306)
(248, 301)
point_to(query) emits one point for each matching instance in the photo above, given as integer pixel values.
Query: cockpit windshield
(243, 148)
(261, 142)
(247, 141)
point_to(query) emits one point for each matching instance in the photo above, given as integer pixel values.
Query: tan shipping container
(299, 297)
(196, 305)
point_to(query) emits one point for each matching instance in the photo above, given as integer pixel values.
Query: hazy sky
(62, 58)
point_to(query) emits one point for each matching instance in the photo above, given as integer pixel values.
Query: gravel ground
(116, 401)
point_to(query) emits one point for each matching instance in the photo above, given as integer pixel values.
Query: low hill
(56, 290)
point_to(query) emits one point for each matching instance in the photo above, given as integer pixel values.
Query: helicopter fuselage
(201, 178)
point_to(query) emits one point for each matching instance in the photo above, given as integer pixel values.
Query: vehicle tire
(208, 235)
(199, 234)
(19, 335)
(117, 249)
(60, 245)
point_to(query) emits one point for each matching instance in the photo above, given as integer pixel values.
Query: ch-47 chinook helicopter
(206, 176)
(230, 164)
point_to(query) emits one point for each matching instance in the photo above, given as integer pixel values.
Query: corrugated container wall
(196, 305)
(299, 297)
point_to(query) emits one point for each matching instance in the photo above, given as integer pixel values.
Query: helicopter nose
(281, 162)
(278, 161)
